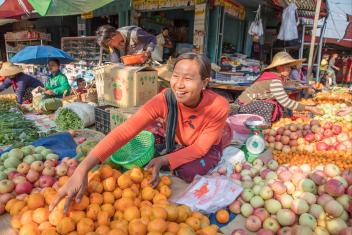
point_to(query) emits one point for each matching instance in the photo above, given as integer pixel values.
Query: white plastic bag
(207, 195)
(230, 157)
(84, 111)
(256, 27)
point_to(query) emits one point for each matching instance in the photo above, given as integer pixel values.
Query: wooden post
(312, 42)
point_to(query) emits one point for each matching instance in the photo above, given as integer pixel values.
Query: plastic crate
(102, 118)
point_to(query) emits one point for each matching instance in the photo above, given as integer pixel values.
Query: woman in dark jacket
(22, 83)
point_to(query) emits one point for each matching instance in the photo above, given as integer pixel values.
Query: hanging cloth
(288, 29)
(256, 27)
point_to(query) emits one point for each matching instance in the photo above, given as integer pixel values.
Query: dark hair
(202, 60)
(78, 80)
(56, 61)
(104, 34)
(166, 28)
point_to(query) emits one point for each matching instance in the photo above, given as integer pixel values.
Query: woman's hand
(315, 110)
(76, 186)
(48, 92)
(156, 164)
(74, 189)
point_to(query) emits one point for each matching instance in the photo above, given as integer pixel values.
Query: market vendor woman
(57, 84)
(23, 84)
(266, 96)
(126, 40)
(196, 115)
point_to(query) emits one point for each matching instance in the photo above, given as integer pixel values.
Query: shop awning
(14, 8)
(304, 6)
(66, 7)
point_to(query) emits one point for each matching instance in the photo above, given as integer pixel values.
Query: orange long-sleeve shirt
(197, 128)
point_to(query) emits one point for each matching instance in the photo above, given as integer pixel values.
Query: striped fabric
(269, 89)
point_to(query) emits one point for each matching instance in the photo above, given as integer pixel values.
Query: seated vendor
(127, 40)
(266, 96)
(57, 84)
(23, 84)
(195, 118)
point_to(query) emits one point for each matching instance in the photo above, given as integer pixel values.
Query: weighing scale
(255, 143)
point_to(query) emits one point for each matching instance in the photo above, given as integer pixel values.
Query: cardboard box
(125, 86)
(120, 115)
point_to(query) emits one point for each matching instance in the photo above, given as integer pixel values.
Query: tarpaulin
(66, 7)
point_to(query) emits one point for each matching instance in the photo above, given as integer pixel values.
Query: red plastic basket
(237, 121)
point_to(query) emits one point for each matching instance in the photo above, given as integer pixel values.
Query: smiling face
(186, 82)
(284, 70)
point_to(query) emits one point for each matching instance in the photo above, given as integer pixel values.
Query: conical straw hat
(282, 58)
(9, 69)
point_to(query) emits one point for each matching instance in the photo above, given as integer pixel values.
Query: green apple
(26, 150)
(12, 162)
(2, 168)
(3, 176)
(52, 156)
(8, 170)
(39, 149)
(4, 156)
(29, 159)
(17, 153)
(38, 157)
(46, 152)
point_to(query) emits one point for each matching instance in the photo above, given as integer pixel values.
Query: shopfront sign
(199, 27)
(232, 8)
(141, 5)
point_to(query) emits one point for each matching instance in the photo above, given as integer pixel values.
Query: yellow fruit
(65, 226)
(131, 213)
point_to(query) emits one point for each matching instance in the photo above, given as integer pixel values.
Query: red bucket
(237, 121)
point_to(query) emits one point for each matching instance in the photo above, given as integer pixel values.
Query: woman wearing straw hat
(23, 84)
(266, 96)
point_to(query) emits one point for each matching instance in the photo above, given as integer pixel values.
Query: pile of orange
(114, 204)
(342, 159)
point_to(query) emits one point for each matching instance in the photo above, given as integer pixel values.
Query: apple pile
(30, 169)
(315, 136)
(293, 200)
(330, 112)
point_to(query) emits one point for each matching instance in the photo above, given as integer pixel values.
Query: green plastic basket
(138, 152)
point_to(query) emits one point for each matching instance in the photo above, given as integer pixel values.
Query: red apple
(71, 170)
(61, 170)
(37, 166)
(277, 138)
(328, 133)
(65, 160)
(261, 213)
(349, 191)
(24, 187)
(309, 137)
(72, 162)
(341, 147)
(23, 168)
(239, 231)
(264, 231)
(46, 181)
(49, 171)
(6, 186)
(32, 176)
(318, 137)
(318, 177)
(314, 122)
(235, 207)
(19, 179)
(336, 129)
(22, 196)
(49, 163)
(2, 208)
(4, 198)
(334, 187)
(253, 223)
(13, 174)
(328, 125)
(321, 146)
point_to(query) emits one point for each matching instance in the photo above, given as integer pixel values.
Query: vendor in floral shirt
(57, 84)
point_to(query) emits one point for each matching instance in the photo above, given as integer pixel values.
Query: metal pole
(312, 42)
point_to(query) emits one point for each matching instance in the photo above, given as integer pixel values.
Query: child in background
(81, 86)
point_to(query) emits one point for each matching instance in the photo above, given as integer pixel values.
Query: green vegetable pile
(66, 119)
(7, 103)
(15, 129)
